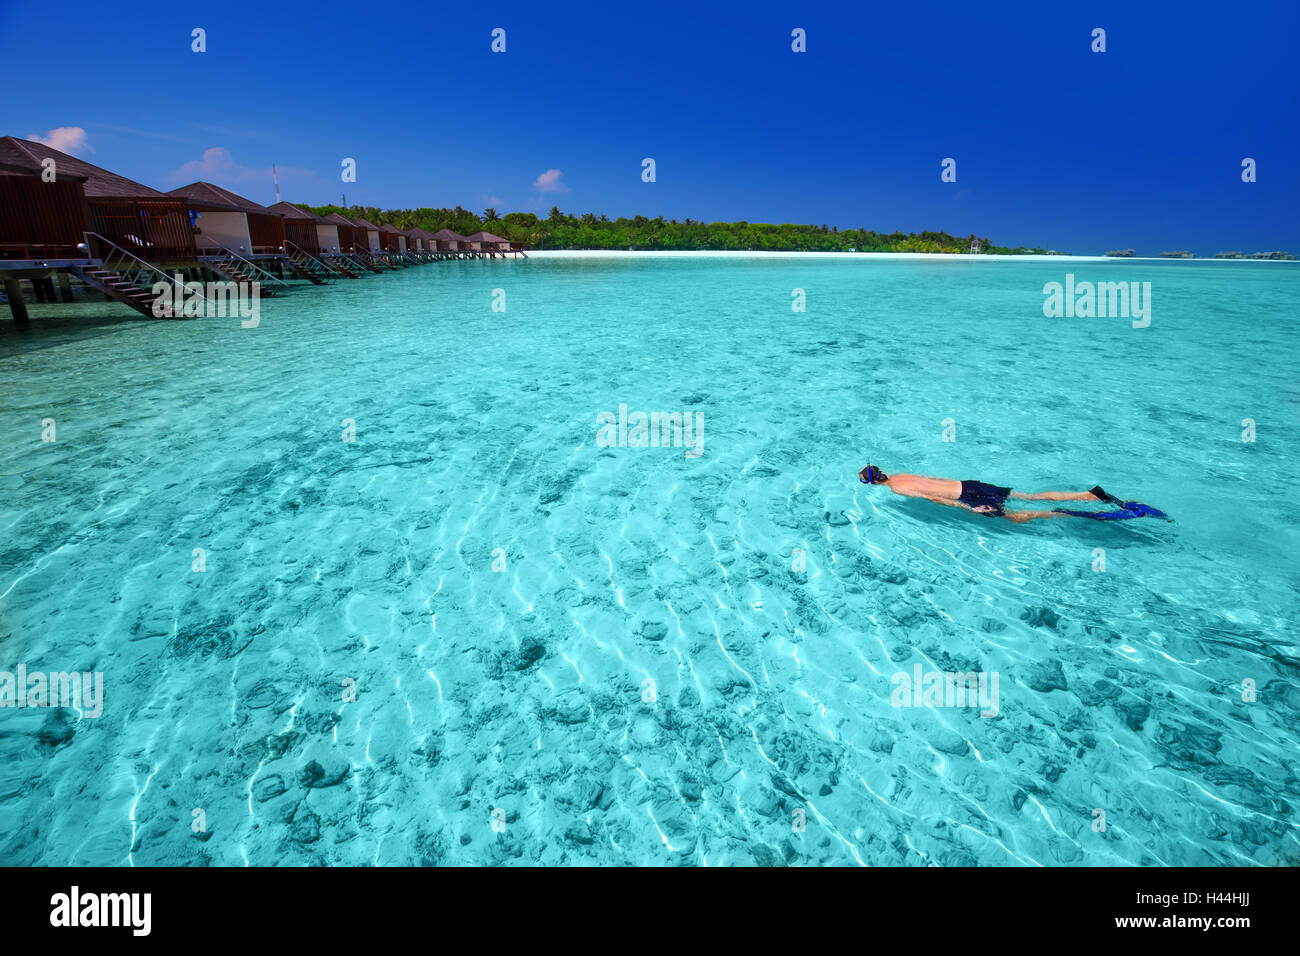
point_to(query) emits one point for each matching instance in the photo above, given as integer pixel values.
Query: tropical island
(560, 230)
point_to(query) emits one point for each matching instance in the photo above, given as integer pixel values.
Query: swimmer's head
(871, 475)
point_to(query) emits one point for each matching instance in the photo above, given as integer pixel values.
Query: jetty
(71, 231)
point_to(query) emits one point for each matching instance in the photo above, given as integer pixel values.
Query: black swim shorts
(976, 494)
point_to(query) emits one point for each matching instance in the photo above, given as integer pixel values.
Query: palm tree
(490, 215)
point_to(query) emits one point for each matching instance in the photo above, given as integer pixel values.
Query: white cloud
(549, 182)
(66, 139)
(218, 166)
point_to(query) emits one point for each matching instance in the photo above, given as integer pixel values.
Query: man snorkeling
(983, 498)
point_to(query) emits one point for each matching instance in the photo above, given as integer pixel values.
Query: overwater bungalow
(299, 226)
(327, 235)
(350, 247)
(349, 236)
(368, 238)
(40, 220)
(225, 220)
(448, 241)
(64, 220)
(424, 237)
(488, 243)
(391, 239)
(46, 220)
(302, 249)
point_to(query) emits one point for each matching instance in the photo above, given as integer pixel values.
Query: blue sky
(1055, 145)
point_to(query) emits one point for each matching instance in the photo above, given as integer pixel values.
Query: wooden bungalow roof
(485, 237)
(290, 211)
(203, 195)
(419, 232)
(389, 227)
(364, 224)
(97, 183)
(446, 234)
(337, 219)
(17, 169)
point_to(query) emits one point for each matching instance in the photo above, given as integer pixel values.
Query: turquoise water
(501, 587)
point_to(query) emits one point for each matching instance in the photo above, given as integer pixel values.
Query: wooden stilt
(16, 304)
(65, 286)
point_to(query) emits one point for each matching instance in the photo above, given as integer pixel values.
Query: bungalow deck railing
(128, 265)
(31, 251)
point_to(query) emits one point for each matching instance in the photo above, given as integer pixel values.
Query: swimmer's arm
(949, 502)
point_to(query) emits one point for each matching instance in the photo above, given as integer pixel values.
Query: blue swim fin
(1104, 495)
(1143, 511)
(1128, 509)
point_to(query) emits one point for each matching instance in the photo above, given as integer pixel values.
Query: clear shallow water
(523, 689)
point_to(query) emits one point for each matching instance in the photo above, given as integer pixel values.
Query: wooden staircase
(233, 273)
(346, 265)
(123, 276)
(113, 285)
(306, 266)
(369, 261)
(235, 268)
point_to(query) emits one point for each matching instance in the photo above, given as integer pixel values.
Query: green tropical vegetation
(560, 230)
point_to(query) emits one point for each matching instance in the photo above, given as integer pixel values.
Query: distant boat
(1121, 253)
